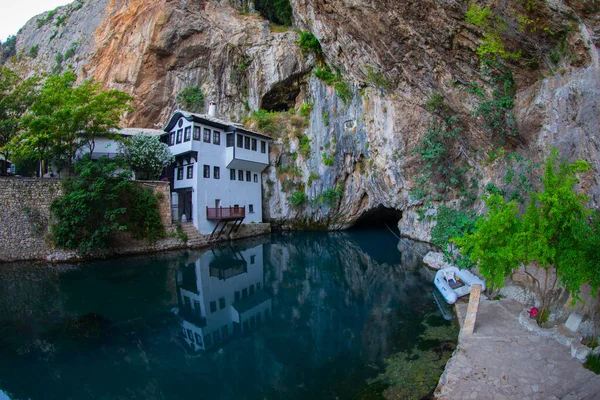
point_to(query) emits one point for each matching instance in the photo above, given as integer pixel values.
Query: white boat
(454, 283)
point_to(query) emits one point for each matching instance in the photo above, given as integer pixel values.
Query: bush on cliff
(98, 201)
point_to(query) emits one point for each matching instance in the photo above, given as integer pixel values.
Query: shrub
(98, 201)
(331, 196)
(309, 44)
(327, 159)
(298, 198)
(33, 51)
(306, 109)
(191, 99)
(304, 145)
(9, 48)
(278, 11)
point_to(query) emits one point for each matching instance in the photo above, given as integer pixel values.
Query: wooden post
(469, 324)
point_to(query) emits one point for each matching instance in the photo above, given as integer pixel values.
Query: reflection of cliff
(337, 304)
(221, 293)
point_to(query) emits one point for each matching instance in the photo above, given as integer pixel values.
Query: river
(346, 315)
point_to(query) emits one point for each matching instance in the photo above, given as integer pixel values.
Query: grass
(593, 364)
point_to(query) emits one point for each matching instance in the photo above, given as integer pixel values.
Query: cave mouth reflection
(379, 217)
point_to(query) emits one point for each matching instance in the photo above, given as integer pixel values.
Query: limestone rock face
(392, 56)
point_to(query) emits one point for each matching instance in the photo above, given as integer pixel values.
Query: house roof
(228, 126)
(135, 131)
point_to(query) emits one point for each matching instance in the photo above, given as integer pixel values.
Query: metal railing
(225, 212)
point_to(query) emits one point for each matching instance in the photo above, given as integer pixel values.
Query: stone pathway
(501, 360)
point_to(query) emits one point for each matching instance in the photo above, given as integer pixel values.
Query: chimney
(212, 109)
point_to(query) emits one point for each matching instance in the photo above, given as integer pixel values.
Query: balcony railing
(222, 213)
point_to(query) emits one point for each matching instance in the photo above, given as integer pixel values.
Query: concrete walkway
(502, 360)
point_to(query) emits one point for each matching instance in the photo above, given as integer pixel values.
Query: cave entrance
(282, 96)
(379, 217)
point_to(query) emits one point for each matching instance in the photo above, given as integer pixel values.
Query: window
(217, 173)
(255, 177)
(232, 174)
(251, 290)
(263, 146)
(207, 171)
(196, 133)
(253, 259)
(190, 335)
(216, 138)
(244, 293)
(248, 176)
(187, 136)
(230, 140)
(179, 173)
(197, 306)
(254, 144)
(179, 132)
(213, 306)
(198, 339)
(240, 175)
(224, 331)
(237, 295)
(207, 341)
(207, 135)
(258, 286)
(190, 171)
(251, 210)
(221, 303)
(216, 336)
(171, 138)
(247, 142)
(240, 141)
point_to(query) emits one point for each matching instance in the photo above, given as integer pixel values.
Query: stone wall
(25, 220)
(24, 216)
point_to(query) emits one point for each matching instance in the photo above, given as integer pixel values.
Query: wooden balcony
(225, 213)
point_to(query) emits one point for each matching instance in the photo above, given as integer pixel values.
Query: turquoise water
(290, 316)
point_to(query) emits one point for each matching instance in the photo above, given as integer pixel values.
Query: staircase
(195, 238)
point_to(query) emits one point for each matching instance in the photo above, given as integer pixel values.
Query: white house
(216, 177)
(221, 295)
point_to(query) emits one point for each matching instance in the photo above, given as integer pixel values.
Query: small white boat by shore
(454, 283)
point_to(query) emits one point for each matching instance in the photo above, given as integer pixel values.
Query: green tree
(16, 95)
(556, 233)
(278, 11)
(191, 99)
(97, 201)
(146, 155)
(66, 117)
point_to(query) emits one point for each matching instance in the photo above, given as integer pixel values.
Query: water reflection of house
(221, 295)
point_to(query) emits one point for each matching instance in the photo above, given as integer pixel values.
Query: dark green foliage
(278, 11)
(9, 48)
(342, 88)
(298, 198)
(309, 44)
(556, 232)
(71, 50)
(49, 17)
(191, 99)
(304, 146)
(377, 79)
(451, 223)
(331, 196)
(143, 218)
(33, 51)
(61, 19)
(59, 58)
(593, 363)
(98, 201)
(90, 208)
(327, 159)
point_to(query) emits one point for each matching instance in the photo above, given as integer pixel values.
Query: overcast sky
(15, 13)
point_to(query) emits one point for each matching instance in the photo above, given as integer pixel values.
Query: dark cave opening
(282, 96)
(379, 217)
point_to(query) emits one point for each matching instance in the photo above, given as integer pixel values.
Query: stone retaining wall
(25, 219)
(24, 216)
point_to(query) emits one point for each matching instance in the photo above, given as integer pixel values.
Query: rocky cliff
(399, 70)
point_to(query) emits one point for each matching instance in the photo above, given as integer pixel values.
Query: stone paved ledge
(502, 360)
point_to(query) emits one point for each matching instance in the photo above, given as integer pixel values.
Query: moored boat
(454, 283)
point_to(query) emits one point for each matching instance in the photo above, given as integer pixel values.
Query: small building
(109, 146)
(221, 296)
(216, 177)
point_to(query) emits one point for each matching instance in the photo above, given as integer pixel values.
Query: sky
(15, 13)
